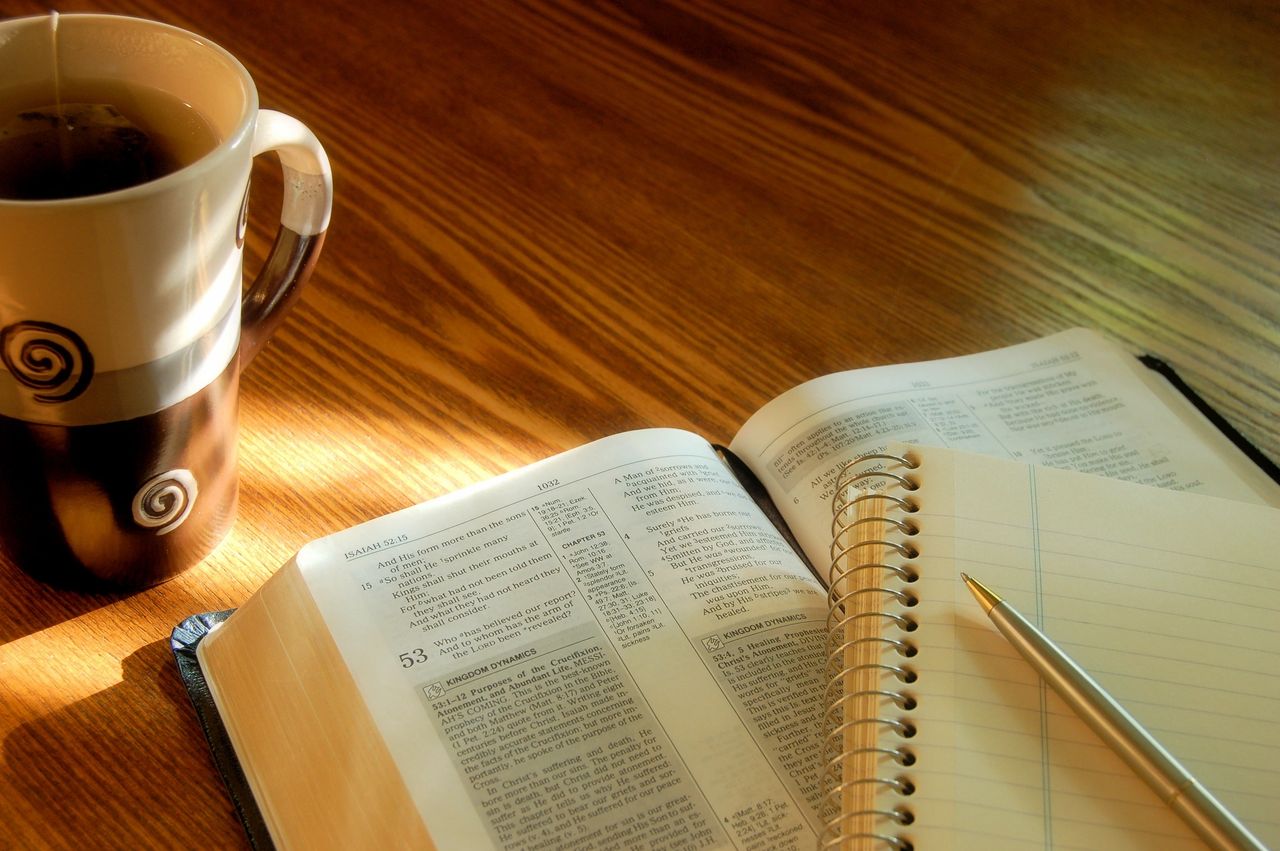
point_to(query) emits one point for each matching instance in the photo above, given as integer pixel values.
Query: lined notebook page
(1171, 601)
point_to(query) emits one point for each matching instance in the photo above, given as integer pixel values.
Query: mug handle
(304, 218)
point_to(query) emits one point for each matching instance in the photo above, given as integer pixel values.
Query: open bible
(623, 645)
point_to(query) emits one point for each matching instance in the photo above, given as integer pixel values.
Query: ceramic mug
(124, 324)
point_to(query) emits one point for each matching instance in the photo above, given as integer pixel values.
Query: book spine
(869, 703)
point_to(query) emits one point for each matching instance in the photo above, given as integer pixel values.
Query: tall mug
(125, 152)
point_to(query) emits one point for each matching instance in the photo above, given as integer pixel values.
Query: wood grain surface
(559, 220)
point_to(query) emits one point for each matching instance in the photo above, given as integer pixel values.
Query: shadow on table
(97, 768)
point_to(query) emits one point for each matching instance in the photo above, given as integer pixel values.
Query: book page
(612, 647)
(1169, 600)
(1072, 400)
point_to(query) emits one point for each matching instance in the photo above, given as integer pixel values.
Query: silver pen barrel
(1194, 804)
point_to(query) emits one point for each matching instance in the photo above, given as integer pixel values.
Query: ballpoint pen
(1148, 759)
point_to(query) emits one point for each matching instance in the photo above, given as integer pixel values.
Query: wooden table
(558, 220)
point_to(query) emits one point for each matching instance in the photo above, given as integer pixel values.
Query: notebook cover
(183, 641)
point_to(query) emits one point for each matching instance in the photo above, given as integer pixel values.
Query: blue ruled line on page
(1037, 573)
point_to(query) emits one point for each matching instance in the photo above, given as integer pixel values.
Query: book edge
(184, 640)
(1221, 423)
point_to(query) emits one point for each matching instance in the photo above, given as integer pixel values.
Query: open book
(616, 646)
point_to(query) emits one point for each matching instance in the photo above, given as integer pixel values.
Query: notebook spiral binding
(863, 587)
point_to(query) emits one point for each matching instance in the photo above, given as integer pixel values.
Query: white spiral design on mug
(164, 501)
(47, 358)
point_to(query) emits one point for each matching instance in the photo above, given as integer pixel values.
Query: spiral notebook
(940, 736)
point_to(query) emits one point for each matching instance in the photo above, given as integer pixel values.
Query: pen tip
(986, 598)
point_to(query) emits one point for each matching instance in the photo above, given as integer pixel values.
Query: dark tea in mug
(85, 137)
